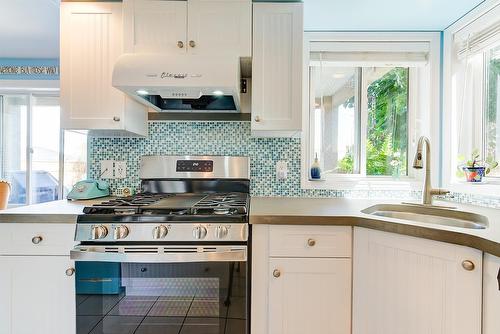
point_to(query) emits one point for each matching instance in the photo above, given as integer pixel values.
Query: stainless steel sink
(429, 215)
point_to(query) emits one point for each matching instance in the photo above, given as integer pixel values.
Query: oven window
(159, 298)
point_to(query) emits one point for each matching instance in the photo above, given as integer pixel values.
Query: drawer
(20, 239)
(310, 241)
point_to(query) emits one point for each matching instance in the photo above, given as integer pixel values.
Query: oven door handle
(158, 254)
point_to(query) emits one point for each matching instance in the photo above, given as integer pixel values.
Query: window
(492, 115)
(369, 100)
(31, 145)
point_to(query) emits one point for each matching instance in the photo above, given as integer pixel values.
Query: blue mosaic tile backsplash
(230, 138)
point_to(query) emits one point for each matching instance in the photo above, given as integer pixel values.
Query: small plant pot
(474, 174)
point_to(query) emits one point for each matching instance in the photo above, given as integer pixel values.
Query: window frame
(31, 94)
(360, 181)
(474, 22)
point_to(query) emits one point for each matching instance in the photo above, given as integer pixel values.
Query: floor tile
(97, 304)
(117, 325)
(207, 307)
(134, 306)
(170, 307)
(203, 325)
(235, 326)
(85, 323)
(81, 298)
(160, 325)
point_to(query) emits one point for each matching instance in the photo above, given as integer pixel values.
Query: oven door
(161, 289)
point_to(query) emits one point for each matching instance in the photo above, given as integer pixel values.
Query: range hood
(183, 83)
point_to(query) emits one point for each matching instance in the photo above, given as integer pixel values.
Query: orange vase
(4, 194)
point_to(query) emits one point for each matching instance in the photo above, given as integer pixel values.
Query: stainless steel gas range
(171, 259)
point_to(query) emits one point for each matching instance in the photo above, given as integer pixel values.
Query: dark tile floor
(121, 314)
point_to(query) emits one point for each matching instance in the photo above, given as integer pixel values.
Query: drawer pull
(36, 240)
(276, 273)
(70, 271)
(311, 242)
(468, 265)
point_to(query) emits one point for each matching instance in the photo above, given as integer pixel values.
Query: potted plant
(475, 169)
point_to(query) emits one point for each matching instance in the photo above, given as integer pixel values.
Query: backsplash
(232, 138)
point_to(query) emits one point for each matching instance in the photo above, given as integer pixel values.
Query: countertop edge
(452, 237)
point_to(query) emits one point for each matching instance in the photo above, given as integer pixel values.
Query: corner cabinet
(277, 66)
(491, 294)
(37, 284)
(198, 27)
(301, 279)
(409, 285)
(91, 42)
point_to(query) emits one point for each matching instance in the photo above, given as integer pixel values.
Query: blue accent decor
(100, 278)
(29, 62)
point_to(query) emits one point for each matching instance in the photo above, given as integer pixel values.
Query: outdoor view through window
(359, 122)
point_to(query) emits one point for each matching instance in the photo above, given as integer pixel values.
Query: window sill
(343, 182)
(488, 188)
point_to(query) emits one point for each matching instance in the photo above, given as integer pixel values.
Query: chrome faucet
(427, 191)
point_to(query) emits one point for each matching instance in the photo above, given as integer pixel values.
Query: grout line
(146, 314)
(105, 315)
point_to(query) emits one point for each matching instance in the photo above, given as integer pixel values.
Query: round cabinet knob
(257, 119)
(70, 271)
(468, 265)
(221, 232)
(192, 44)
(36, 240)
(121, 232)
(160, 232)
(276, 273)
(180, 44)
(99, 232)
(311, 242)
(116, 119)
(199, 232)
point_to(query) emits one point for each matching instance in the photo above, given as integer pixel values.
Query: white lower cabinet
(36, 295)
(491, 294)
(310, 295)
(411, 285)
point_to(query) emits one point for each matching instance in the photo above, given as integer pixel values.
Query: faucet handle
(439, 191)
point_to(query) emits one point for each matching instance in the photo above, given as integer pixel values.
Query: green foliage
(387, 140)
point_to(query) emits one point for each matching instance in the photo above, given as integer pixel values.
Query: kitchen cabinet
(37, 295)
(409, 285)
(198, 27)
(91, 42)
(304, 281)
(277, 66)
(491, 294)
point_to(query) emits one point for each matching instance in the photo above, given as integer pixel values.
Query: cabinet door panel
(155, 26)
(277, 67)
(90, 44)
(220, 27)
(310, 296)
(491, 294)
(37, 296)
(410, 285)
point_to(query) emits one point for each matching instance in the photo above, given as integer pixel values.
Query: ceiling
(30, 28)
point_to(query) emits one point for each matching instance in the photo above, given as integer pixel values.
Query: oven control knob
(199, 232)
(121, 232)
(99, 232)
(160, 232)
(221, 232)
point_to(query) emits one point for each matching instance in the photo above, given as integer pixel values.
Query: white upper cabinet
(91, 41)
(155, 26)
(277, 68)
(409, 285)
(202, 27)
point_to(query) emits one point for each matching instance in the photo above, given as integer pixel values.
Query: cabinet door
(491, 295)
(90, 44)
(310, 295)
(155, 26)
(409, 285)
(36, 295)
(220, 27)
(277, 67)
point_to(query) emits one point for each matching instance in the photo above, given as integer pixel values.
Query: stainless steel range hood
(186, 83)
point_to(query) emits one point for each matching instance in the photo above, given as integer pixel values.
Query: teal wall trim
(29, 62)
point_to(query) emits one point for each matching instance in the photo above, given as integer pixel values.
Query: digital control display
(205, 166)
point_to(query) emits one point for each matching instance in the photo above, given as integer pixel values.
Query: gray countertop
(342, 211)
